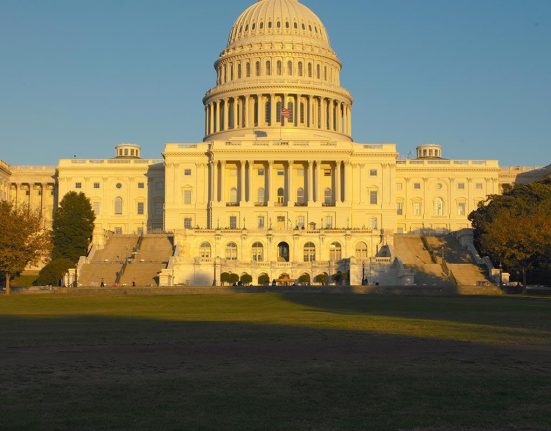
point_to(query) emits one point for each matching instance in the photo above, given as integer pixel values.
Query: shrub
(53, 272)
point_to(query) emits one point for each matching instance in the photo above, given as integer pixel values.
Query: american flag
(286, 113)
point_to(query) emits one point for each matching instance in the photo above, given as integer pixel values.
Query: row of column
(312, 184)
(245, 112)
(35, 195)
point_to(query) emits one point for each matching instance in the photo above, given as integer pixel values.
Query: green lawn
(275, 362)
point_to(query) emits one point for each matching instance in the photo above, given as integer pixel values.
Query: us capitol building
(277, 186)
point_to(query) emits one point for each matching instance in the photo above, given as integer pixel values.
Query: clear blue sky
(78, 77)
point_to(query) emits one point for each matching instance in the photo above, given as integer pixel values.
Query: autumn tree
(24, 240)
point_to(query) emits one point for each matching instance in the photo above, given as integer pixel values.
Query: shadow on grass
(91, 373)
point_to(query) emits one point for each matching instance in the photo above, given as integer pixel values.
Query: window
(187, 172)
(417, 186)
(78, 185)
(118, 206)
(290, 68)
(233, 195)
(373, 173)
(300, 222)
(328, 196)
(238, 70)
(309, 70)
(300, 68)
(361, 250)
(309, 252)
(260, 195)
(328, 222)
(268, 68)
(205, 251)
(231, 251)
(261, 172)
(279, 67)
(188, 223)
(479, 186)
(461, 209)
(118, 230)
(400, 208)
(258, 68)
(140, 208)
(280, 172)
(327, 172)
(300, 195)
(233, 222)
(399, 186)
(96, 185)
(141, 185)
(417, 208)
(261, 222)
(280, 195)
(318, 71)
(119, 186)
(335, 252)
(187, 197)
(373, 197)
(439, 186)
(248, 70)
(438, 207)
(461, 186)
(96, 206)
(258, 252)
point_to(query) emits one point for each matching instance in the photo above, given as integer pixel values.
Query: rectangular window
(187, 197)
(78, 185)
(280, 172)
(374, 223)
(417, 186)
(118, 230)
(373, 197)
(187, 172)
(261, 222)
(479, 186)
(141, 185)
(400, 208)
(417, 208)
(461, 186)
(140, 208)
(399, 186)
(461, 209)
(188, 223)
(328, 222)
(261, 172)
(373, 173)
(96, 185)
(300, 172)
(233, 222)
(300, 222)
(327, 172)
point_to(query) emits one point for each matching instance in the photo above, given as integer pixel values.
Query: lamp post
(214, 273)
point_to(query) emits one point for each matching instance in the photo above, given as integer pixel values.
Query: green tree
(263, 280)
(234, 278)
(53, 272)
(225, 277)
(23, 240)
(514, 229)
(73, 226)
(304, 279)
(246, 279)
(322, 279)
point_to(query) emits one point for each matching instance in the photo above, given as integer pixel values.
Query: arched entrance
(283, 252)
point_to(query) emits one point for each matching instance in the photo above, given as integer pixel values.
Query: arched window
(258, 252)
(309, 252)
(231, 71)
(205, 251)
(261, 195)
(438, 207)
(233, 195)
(300, 195)
(248, 70)
(118, 205)
(268, 68)
(309, 70)
(278, 113)
(328, 195)
(261, 25)
(290, 68)
(335, 252)
(325, 72)
(300, 68)
(361, 250)
(268, 112)
(239, 71)
(231, 251)
(318, 71)
(291, 107)
(280, 195)
(279, 67)
(258, 68)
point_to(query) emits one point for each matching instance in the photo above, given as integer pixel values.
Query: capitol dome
(278, 75)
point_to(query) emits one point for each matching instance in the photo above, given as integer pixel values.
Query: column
(250, 166)
(331, 104)
(218, 116)
(291, 194)
(319, 197)
(284, 104)
(226, 114)
(272, 110)
(309, 183)
(211, 119)
(299, 110)
(337, 193)
(348, 183)
(235, 122)
(222, 181)
(242, 182)
(338, 109)
(268, 192)
(323, 111)
(213, 180)
(247, 120)
(206, 121)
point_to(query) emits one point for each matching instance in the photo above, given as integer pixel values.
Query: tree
(322, 279)
(53, 272)
(225, 277)
(23, 239)
(246, 279)
(304, 279)
(337, 277)
(73, 226)
(264, 280)
(234, 278)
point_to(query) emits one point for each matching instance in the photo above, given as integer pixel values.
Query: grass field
(275, 362)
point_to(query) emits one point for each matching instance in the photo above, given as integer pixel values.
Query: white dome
(279, 17)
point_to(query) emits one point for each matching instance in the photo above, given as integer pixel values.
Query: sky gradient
(78, 77)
